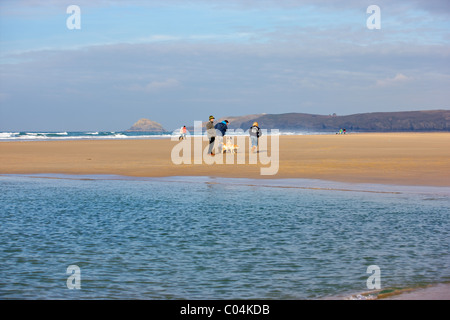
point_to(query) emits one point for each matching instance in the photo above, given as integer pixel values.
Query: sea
(112, 135)
(114, 237)
(80, 135)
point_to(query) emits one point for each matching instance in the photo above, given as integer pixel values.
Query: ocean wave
(6, 135)
(120, 135)
(46, 133)
(93, 135)
(80, 135)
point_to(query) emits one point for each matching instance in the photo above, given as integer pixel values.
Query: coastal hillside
(146, 125)
(408, 121)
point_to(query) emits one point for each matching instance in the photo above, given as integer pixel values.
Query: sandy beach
(385, 158)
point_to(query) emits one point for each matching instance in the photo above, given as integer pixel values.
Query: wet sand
(384, 158)
(439, 291)
(435, 292)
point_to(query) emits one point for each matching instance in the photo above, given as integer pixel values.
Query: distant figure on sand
(183, 133)
(255, 133)
(221, 128)
(211, 134)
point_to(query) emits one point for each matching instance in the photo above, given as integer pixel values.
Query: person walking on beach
(255, 133)
(211, 134)
(221, 128)
(183, 133)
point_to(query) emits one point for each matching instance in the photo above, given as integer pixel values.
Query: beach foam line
(307, 184)
(106, 135)
(439, 291)
(62, 136)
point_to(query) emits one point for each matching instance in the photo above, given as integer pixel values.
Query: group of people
(222, 127)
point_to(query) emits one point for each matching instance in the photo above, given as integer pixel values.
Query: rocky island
(146, 125)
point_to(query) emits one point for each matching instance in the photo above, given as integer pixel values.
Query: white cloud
(155, 86)
(398, 79)
(156, 38)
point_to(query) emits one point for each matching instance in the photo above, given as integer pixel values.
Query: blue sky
(178, 61)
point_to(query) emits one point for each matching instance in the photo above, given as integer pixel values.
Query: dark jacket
(222, 127)
(255, 131)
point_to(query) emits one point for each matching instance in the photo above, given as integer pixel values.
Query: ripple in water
(194, 240)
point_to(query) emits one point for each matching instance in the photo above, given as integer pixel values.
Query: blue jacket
(222, 127)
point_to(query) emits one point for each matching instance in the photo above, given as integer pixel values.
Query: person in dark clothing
(255, 133)
(221, 129)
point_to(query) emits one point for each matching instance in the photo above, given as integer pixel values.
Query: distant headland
(404, 121)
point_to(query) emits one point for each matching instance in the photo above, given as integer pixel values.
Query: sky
(178, 61)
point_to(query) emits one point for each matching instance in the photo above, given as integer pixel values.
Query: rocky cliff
(413, 121)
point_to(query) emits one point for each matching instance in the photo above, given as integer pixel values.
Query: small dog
(229, 146)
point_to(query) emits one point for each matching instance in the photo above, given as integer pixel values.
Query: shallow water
(204, 238)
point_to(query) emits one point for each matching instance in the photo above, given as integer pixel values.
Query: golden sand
(388, 158)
